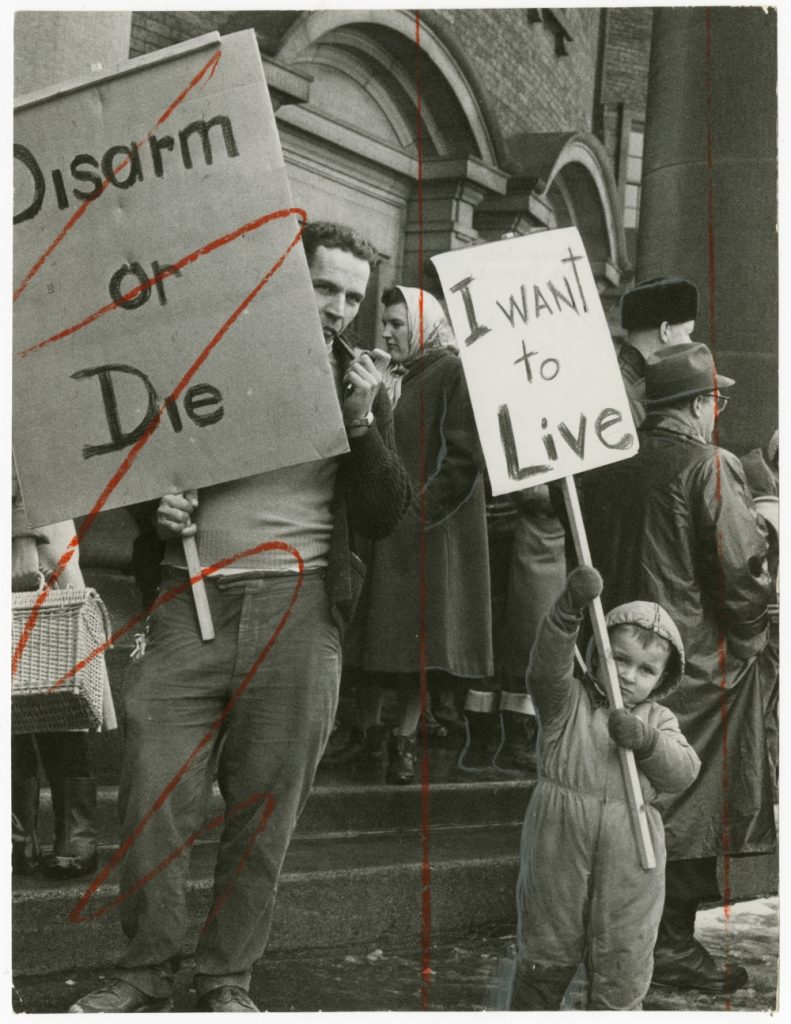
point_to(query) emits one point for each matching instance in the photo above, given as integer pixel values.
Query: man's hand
(24, 563)
(361, 383)
(631, 733)
(174, 516)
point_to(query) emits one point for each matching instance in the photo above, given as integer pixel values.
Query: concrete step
(353, 808)
(348, 891)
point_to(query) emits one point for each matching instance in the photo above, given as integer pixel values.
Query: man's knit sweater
(371, 493)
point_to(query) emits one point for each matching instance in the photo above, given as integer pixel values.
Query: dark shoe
(696, 968)
(401, 768)
(227, 999)
(54, 866)
(360, 748)
(351, 751)
(118, 996)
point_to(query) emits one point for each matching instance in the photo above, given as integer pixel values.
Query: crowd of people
(396, 581)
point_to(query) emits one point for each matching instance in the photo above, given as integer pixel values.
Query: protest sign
(150, 204)
(538, 358)
(547, 394)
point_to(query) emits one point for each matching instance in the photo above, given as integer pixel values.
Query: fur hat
(659, 299)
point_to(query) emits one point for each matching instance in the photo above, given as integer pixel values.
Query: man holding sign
(273, 731)
(677, 525)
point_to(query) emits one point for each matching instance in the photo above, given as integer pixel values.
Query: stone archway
(369, 33)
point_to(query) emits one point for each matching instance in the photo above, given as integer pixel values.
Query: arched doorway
(352, 147)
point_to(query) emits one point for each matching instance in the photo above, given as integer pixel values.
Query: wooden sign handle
(199, 594)
(634, 794)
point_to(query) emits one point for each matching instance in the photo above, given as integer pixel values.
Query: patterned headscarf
(437, 333)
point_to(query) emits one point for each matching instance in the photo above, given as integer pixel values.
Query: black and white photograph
(395, 407)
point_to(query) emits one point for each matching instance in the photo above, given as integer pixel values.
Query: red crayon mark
(721, 641)
(138, 446)
(76, 914)
(166, 272)
(425, 786)
(162, 599)
(210, 66)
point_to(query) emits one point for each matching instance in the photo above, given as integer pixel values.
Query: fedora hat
(681, 371)
(659, 299)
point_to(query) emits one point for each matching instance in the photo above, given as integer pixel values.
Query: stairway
(352, 877)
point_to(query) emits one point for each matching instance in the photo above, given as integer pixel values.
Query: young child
(583, 896)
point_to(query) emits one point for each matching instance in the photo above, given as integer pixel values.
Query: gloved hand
(582, 585)
(632, 733)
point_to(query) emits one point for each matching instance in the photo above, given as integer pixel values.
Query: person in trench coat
(441, 598)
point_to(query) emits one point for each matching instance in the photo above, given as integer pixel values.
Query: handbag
(70, 624)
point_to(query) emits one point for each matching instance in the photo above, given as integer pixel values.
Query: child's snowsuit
(582, 893)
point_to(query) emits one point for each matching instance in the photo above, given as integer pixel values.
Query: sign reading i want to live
(541, 369)
(162, 302)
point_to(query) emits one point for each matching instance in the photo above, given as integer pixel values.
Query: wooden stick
(634, 794)
(199, 594)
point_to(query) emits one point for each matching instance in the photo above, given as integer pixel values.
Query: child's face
(639, 668)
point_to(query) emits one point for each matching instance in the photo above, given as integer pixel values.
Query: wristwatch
(361, 421)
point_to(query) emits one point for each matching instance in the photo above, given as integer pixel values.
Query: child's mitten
(630, 732)
(582, 585)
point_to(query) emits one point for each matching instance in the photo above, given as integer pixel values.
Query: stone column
(453, 188)
(709, 204)
(56, 46)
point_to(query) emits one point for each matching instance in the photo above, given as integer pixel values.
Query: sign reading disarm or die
(540, 365)
(160, 295)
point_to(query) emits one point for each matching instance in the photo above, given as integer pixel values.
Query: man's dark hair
(337, 236)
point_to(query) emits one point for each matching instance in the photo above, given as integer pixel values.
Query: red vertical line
(425, 791)
(721, 640)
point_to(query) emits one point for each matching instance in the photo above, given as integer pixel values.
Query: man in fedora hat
(655, 313)
(676, 525)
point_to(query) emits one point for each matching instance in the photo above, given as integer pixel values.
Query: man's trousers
(190, 706)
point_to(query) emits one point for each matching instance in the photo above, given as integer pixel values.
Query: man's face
(339, 282)
(707, 411)
(678, 334)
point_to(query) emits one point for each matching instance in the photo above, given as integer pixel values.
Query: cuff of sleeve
(648, 749)
(565, 620)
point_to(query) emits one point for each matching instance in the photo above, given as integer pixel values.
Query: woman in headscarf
(438, 443)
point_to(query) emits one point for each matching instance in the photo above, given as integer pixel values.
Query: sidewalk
(464, 975)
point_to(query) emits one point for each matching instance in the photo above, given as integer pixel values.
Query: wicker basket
(71, 623)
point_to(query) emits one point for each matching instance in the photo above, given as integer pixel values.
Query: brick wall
(513, 62)
(152, 30)
(627, 48)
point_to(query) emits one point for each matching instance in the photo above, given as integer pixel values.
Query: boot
(362, 748)
(401, 766)
(479, 722)
(516, 754)
(349, 753)
(25, 849)
(74, 806)
(680, 961)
